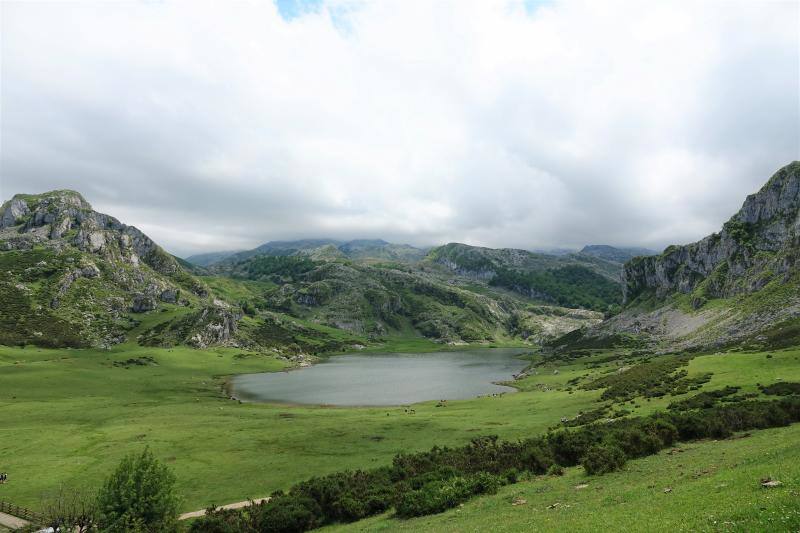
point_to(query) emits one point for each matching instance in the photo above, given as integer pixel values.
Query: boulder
(143, 303)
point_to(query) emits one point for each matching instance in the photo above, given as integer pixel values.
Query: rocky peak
(773, 213)
(755, 245)
(64, 217)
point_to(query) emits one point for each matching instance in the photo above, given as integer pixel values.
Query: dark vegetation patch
(781, 389)
(441, 478)
(579, 340)
(782, 335)
(568, 286)
(657, 377)
(145, 360)
(292, 337)
(588, 417)
(704, 400)
(275, 268)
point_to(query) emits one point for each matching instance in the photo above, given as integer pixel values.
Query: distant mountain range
(358, 249)
(616, 255)
(379, 249)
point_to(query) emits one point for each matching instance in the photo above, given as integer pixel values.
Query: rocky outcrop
(756, 245)
(214, 326)
(88, 271)
(14, 212)
(65, 215)
(143, 303)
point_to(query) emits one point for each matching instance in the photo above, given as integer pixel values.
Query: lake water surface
(386, 379)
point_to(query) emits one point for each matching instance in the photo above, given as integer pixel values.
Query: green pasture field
(67, 416)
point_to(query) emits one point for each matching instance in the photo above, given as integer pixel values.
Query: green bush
(782, 388)
(289, 515)
(555, 470)
(636, 443)
(439, 496)
(139, 496)
(603, 458)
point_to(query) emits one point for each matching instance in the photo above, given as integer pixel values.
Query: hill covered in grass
(572, 280)
(359, 250)
(390, 299)
(76, 277)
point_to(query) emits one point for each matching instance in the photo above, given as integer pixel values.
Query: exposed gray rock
(169, 296)
(13, 211)
(87, 271)
(758, 247)
(215, 326)
(143, 303)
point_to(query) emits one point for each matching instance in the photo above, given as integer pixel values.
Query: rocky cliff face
(738, 286)
(757, 245)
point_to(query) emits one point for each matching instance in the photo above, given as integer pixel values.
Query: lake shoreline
(456, 377)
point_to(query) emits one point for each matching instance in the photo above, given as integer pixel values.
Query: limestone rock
(13, 211)
(143, 303)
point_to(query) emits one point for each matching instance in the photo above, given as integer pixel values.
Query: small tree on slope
(139, 497)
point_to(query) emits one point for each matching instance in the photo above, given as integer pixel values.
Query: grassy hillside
(384, 299)
(704, 486)
(359, 250)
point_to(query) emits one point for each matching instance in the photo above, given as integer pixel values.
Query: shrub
(439, 496)
(138, 496)
(636, 442)
(511, 475)
(537, 457)
(603, 458)
(555, 470)
(568, 447)
(782, 388)
(289, 515)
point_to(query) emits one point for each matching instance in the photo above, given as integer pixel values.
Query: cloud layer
(221, 125)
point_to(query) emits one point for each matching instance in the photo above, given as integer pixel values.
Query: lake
(386, 379)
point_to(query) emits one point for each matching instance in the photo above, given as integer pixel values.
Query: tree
(70, 510)
(139, 496)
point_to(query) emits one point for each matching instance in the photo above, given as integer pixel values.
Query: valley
(556, 371)
(67, 415)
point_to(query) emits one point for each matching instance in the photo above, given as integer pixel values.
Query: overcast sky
(222, 125)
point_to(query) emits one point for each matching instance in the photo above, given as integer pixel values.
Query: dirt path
(237, 505)
(12, 522)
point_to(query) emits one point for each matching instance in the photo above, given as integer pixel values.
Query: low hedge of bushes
(441, 478)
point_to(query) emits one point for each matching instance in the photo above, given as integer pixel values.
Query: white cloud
(220, 125)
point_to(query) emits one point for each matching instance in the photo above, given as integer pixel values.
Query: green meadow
(67, 416)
